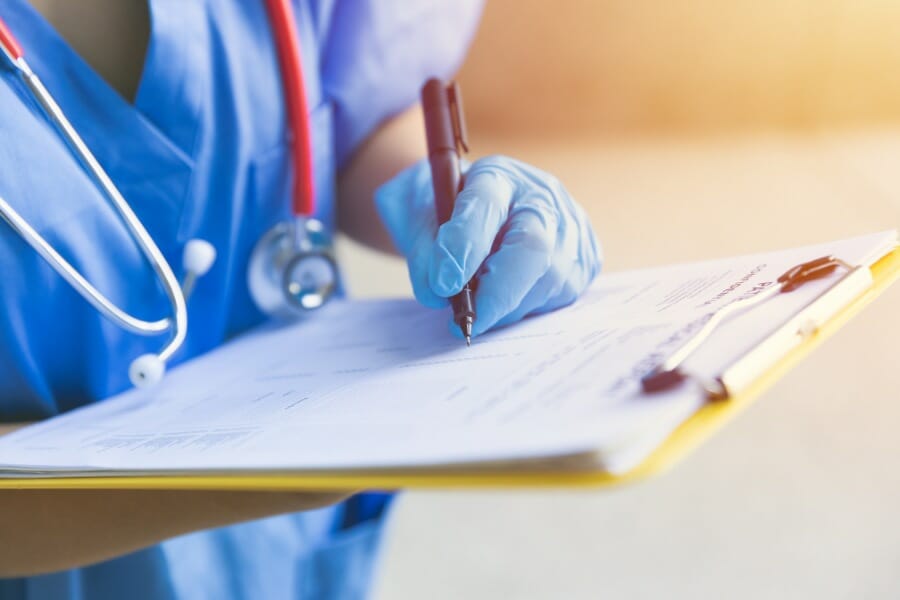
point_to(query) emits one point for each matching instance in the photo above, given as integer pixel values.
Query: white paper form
(383, 384)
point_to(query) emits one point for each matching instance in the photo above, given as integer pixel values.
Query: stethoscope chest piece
(292, 269)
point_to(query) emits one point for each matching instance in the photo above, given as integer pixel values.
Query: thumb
(406, 206)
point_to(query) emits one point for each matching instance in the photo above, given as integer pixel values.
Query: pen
(445, 130)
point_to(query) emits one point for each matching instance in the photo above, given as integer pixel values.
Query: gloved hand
(531, 245)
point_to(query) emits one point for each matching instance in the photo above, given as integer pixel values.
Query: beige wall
(591, 66)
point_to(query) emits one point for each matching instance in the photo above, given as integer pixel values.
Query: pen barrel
(445, 178)
(443, 154)
(438, 113)
(446, 174)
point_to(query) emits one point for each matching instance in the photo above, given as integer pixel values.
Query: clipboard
(689, 435)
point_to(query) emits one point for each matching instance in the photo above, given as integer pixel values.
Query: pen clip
(454, 98)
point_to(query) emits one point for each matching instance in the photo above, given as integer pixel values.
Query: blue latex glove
(531, 245)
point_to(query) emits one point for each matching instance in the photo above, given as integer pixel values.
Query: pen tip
(465, 328)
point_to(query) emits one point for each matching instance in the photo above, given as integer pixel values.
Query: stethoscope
(292, 269)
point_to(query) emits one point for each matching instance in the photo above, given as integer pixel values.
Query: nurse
(193, 132)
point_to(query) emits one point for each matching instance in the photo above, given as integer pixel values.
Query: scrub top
(203, 153)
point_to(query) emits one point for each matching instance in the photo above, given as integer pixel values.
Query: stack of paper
(383, 385)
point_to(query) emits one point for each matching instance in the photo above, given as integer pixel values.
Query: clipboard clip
(669, 373)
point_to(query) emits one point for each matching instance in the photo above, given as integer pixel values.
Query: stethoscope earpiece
(199, 255)
(146, 370)
(198, 258)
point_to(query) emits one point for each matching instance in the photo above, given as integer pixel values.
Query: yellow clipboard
(690, 434)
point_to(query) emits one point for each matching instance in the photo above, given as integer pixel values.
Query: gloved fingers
(464, 242)
(523, 257)
(591, 252)
(537, 297)
(540, 303)
(574, 265)
(406, 205)
(417, 263)
(532, 243)
(556, 287)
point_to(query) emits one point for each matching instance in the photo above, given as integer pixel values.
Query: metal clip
(669, 374)
(810, 271)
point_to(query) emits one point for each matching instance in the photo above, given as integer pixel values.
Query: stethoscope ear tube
(177, 322)
(303, 273)
(75, 279)
(147, 369)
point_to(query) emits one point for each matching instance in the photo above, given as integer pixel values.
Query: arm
(46, 530)
(4, 429)
(396, 144)
(49, 530)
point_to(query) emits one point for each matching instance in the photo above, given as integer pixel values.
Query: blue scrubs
(201, 153)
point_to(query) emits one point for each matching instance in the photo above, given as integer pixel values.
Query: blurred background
(691, 129)
(599, 67)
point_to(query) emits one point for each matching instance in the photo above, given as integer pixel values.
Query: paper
(383, 384)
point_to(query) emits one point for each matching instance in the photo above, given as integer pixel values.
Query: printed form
(384, 384)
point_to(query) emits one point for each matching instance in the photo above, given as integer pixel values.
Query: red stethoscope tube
(287, 44)
(10, 44)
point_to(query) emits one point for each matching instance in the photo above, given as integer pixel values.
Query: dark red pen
(445, 130)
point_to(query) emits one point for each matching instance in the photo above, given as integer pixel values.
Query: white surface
(797, 498)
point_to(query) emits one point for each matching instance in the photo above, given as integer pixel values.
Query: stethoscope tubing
(177, 322)
(287, 47)
(149, 368)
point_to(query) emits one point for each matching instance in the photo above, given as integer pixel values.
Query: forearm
(43, 531)
(396, 144)
(49, 530)
(8, 428)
